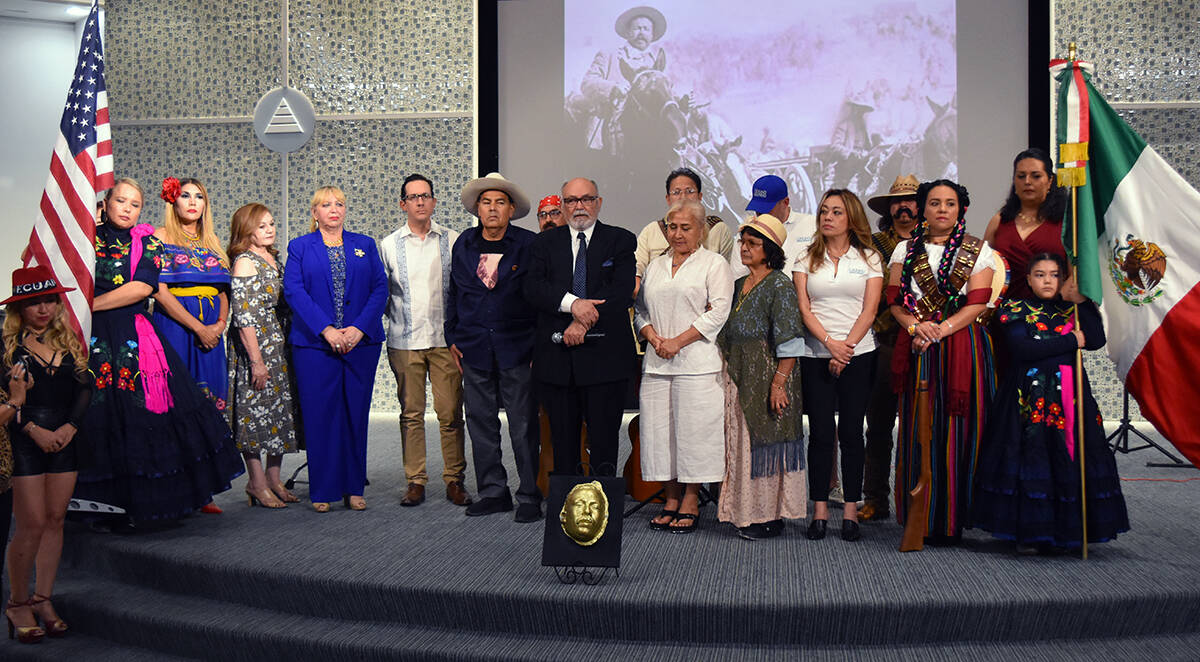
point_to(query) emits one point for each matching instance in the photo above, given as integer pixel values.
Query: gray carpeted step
(976, 592)
(431, 570)
(84, 648)
(112, 621)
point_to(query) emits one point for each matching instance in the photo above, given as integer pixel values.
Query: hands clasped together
(342, 340)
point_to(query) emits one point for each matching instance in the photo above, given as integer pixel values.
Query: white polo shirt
(837, 298)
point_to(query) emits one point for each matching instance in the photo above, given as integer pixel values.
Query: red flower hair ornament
(170, 190)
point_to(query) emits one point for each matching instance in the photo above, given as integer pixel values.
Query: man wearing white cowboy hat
(605, 84)
(897, 211)
(489, 328)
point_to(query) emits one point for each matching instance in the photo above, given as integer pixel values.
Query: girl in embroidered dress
(939, 284)
(1028, 484)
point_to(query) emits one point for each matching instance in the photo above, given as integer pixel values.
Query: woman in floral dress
(260, 405)
(156, 446)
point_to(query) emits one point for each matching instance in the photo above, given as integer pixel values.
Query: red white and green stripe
(1139, 255)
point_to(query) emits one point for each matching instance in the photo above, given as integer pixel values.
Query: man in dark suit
(580, 281)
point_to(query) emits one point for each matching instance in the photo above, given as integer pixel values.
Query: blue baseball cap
(768, 191)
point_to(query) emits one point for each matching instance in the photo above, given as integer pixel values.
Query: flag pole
(1079, 422)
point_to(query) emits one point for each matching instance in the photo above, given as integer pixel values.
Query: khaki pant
(411, 368)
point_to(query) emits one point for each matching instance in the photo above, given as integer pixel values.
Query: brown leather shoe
(414, 496)
(457, 494)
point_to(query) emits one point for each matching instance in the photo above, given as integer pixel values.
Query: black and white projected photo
(821, 94)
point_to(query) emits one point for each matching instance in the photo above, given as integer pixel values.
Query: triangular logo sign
(284, 120)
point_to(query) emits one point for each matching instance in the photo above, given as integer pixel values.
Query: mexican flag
(1139, 255)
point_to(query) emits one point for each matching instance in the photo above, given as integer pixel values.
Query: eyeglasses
(581, 200)
(553, 213)
(676, 192)
(418, 196)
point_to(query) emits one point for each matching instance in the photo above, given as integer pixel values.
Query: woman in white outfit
(683, 303)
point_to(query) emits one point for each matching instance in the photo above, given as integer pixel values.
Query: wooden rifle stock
(917, 516)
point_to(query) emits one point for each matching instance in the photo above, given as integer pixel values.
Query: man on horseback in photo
(608, 79)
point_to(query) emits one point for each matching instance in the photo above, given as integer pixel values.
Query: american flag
(80, 167)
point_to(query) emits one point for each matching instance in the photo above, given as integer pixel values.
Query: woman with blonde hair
(192, 301)
(838, 284)
(261, 410)
(38, 343)
(336, 286)
(156, 446)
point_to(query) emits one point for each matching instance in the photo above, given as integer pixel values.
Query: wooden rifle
(917, 516)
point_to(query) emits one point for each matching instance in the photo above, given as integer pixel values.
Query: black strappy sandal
(685, 517)
(663, 526)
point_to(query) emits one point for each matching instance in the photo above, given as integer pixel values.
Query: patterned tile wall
(215, 59)
(351, 56)
(1174, 133)
(195, 59)
(369, 159)
(234, 167)
(1145, 51)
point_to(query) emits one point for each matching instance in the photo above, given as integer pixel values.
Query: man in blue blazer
(489, 328)
(581, 283)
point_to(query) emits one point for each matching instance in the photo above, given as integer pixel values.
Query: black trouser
(881, 420)
(600, 406)
(848, 395)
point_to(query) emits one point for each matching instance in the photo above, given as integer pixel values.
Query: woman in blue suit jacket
(335, 284)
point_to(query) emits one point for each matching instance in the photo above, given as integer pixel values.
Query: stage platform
(428, 583)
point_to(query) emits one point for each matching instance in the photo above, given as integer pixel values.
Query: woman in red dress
(1030, 222)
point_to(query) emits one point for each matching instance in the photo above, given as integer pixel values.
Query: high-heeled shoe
(211, 509)
(320, 506)
(816, 529)
(282, 492)
(850, 530)
(355, 502)
(26, 634)
(265, 498)
(54, 627)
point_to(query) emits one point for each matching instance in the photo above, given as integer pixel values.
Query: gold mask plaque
(584, 514)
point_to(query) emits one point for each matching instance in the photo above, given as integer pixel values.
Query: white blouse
(836, 298)
(700, 294)
(934, 253)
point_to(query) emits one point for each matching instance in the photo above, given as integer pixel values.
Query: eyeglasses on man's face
(549, 213)
(677, 192)
(418, 196)
(581, 200)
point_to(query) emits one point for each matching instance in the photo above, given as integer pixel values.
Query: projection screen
(825, 95)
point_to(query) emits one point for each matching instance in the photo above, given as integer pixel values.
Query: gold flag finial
(1071, 51)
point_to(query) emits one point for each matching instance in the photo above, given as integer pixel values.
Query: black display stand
(573, 562)
(1119, 439)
